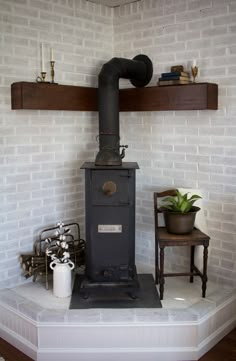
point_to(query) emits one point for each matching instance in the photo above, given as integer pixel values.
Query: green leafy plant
(182, 203)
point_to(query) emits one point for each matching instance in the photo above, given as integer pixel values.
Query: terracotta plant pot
(180, 223)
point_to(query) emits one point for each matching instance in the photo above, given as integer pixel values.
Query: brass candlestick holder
(42, 78)
(43, 74)
(194, 72)
(52, 63)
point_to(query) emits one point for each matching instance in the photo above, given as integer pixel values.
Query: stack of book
(174, 77)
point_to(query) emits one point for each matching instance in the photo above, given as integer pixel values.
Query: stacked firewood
(33, 265)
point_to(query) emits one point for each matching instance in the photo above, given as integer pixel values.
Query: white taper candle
(42, 58)
(52, 55)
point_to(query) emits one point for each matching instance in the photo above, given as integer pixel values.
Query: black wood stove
(110, 188)
(110, 227)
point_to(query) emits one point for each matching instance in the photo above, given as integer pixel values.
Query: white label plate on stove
(109, 228)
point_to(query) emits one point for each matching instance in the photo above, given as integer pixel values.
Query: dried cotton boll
(64, 245)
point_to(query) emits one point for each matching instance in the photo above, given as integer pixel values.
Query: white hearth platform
(187, 326)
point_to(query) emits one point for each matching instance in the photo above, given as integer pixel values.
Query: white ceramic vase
(62, 280)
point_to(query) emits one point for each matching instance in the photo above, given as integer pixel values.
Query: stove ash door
(110, 224)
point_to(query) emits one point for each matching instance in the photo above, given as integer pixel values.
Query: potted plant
(180, 213)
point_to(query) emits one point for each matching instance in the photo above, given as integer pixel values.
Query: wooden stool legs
(192, 251)
(204, 274)
(157, 271)
(161, 276)
(193, 270)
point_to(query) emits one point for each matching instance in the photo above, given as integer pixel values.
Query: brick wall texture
(41, 151)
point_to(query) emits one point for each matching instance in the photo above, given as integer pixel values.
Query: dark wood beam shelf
(46, 96)
(174, 97)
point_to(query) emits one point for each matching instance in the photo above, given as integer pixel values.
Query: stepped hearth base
(187, 326)
(147, 296)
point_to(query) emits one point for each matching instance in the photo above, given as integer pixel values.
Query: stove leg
(85, 296)
(133, 295)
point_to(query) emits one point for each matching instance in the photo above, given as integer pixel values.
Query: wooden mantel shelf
(46, 96)
(174, 97)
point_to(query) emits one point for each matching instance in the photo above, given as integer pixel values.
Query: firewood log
(25, 257)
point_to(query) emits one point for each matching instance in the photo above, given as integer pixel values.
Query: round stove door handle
(109, 188)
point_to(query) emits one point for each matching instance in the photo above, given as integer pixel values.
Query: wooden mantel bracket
(47, 96)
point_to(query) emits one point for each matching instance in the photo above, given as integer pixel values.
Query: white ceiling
(113, 3)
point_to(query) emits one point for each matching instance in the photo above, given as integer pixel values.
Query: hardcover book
(177, 68)
(174, 78)
(175, 73)
(173, 82)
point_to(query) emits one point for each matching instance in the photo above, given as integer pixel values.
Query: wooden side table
(163, 239)
(196, 238)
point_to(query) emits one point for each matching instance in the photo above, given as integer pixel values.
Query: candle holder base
(194, 70)
(44, 82)
(52, 63)
(41, 79)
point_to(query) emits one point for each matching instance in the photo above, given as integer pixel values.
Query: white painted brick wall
(41, 151)
(191, 149)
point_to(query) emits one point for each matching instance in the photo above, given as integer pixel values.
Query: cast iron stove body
(110, 227)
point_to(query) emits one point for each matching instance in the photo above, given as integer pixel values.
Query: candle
(52, 55)
(42, 58)
(194, 63)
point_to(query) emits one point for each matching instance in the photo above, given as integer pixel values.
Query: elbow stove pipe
(139, 71)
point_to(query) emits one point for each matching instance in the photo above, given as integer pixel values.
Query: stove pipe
(139, 71)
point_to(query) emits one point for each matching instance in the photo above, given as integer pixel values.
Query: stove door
(111, 249)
